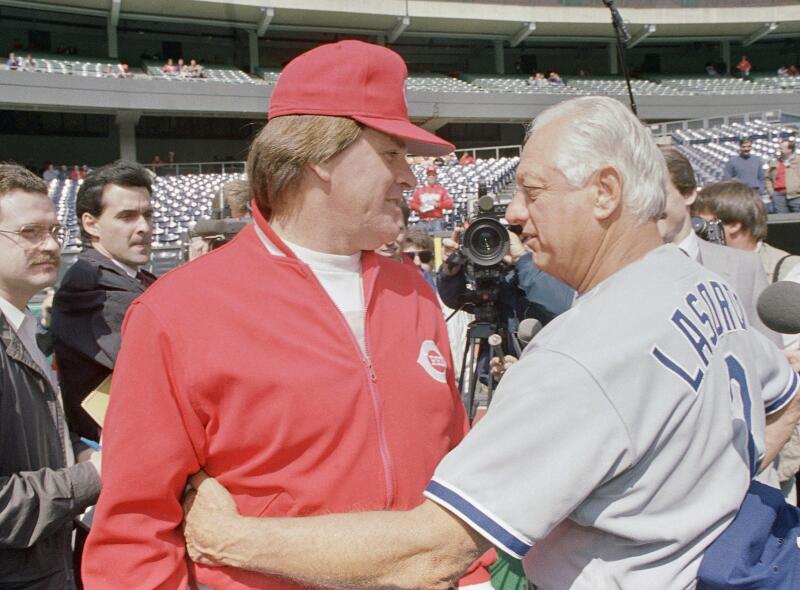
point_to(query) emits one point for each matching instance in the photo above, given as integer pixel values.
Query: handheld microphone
(528, 328)
(779, 307)
(496, 342)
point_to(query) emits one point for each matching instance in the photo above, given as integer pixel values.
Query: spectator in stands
(744, 223)
(181, 68)
(12, 63)
(783, 178)
(783, 72)
(195, 70)
(114, 212)
(430, 201)
(749, 169)
(418, 247)
(711, 69)
(50, 173)
(29, 64)
(63, 172)
(554, 79)
(466, 159)
(744, 66)
(85, 170)
(793, 71)
(75, 175)
(742, 270)
(169, 68)
(537, 80)
(47, 477)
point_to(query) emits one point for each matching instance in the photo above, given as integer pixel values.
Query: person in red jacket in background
(429, 201)
(304, 372)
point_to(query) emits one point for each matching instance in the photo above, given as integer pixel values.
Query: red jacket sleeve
(150, 446)
(414, 203)
(446, 201)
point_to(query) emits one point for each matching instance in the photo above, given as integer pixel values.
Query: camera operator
(525, 291)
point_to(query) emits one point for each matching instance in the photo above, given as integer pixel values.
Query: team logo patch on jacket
(432, 361)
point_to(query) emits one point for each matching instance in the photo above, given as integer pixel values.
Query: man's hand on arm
(427, 547)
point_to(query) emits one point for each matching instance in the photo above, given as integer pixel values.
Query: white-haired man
(616, 424)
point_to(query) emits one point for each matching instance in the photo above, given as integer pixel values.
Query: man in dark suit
(115, 214)
(741, 269)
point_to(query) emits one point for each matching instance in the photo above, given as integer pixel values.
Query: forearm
(779, 429)
(423, 548)
(36, 503)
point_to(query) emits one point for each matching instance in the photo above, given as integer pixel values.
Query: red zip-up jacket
(239, 363)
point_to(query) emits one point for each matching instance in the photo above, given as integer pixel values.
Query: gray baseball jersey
(623, 441)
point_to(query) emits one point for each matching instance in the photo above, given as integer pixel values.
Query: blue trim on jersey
(785, 396)
(508, 541)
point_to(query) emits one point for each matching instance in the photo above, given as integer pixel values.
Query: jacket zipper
(383, 446)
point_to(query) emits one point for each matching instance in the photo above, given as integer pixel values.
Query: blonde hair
(285, 147)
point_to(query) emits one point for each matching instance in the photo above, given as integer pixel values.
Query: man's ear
(608, 192)
(690, 199)
(89, 225)
(323, 171)
(733, 229)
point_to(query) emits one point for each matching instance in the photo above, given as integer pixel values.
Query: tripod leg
(473, 381)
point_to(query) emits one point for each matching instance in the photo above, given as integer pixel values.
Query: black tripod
(478, 333)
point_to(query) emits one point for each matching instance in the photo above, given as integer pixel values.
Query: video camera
(482, 248)
(710, 231)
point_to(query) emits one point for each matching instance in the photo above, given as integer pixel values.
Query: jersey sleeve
(549, 438)
(152, 442)
(779, 382)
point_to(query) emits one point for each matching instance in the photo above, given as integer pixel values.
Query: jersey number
(738, 382)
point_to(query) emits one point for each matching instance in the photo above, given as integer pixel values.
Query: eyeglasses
(425, 256)
(35, 234)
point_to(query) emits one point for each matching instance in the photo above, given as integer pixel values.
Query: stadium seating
(228, 75)
(180, 201)
(724, 86)
(521, 85)
(436, 83)
(270, 76)
(462, 183)
(78, 67)
(709, 149)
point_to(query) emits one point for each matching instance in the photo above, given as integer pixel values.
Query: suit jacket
(771, 256)
(88, 310)
(744, 273)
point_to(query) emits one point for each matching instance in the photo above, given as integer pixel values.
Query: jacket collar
(106, 263)
(15, 349)
(370, 264)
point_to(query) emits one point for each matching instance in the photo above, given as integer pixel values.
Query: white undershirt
(339, 275)
(24, 325)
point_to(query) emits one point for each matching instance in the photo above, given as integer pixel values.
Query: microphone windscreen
(779, 307)
(528, 328)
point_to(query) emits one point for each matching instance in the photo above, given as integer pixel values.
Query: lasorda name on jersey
(711, 311)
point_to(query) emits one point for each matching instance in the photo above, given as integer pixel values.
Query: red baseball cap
(358, 80)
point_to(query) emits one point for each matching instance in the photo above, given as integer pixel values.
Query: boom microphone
(779, 307)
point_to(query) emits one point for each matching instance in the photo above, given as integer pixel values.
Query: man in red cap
(429, 201)
(305, 372)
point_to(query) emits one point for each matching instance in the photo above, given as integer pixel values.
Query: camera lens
(485, 242)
